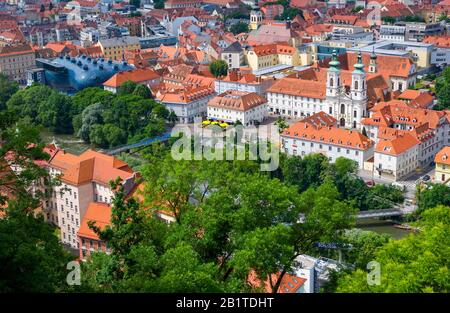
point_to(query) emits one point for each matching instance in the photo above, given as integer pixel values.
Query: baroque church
(345, 95)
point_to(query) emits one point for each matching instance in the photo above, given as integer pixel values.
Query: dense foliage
(443, 90)
(230, 219)
(93, 114)
(417, 263)
(31, 257)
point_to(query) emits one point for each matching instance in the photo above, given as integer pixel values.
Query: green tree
(432, 195)
(218, 68)
(238, 28)
(55, 113)
(443, 90)
(114, 135)
(92, 115)
(142, 91)
(31, 258)
(417, 263)
(282, 124)
(7, 89)
(127, 87)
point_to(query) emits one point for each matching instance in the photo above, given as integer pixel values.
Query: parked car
(426, 178)
(370, 183)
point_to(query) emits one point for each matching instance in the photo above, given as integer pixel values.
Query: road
(408, 181)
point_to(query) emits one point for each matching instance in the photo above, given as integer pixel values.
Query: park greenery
(443, 90)
(95, 115)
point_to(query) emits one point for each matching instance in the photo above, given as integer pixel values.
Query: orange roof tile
(237, 100)
(136, 75)
(329, 135)
(100, 213)
(299, 87)
(443, 156)
(398, 145)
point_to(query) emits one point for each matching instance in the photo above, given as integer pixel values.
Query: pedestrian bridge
(398, 210)
(142, 143)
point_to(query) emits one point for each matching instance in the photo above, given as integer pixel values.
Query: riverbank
(388, 227)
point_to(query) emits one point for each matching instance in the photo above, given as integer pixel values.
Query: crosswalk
(410, 184)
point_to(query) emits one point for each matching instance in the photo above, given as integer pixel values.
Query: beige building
(442, 171)
(271, 55)
(115, 48)
(16, 60)
(84, 182)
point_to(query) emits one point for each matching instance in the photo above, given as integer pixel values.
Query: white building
(304, 137)
(235, 80)
(298, 98)
(392, 32)
(84, 180)
(247, 107)
(233, 55)
(398, 157)
(188, 103)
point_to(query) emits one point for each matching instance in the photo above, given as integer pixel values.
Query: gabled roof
(443, 156)
(237, 100)
(100, 213)
(136, 75)
(299, 87)
(328, 135)
(398, 145)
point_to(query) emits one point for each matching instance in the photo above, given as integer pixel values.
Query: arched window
(356, 85)
(342, 109)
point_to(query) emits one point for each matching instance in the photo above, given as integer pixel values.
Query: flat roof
(271, 69)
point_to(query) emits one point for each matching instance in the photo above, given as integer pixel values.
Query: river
(382, 227)
(70, 143)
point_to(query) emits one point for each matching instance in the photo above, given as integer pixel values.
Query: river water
(382, 227)
(70, 143)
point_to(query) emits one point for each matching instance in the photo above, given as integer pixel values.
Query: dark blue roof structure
(70, 74)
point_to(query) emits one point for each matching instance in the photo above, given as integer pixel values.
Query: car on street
(426, 178)
(370, 183)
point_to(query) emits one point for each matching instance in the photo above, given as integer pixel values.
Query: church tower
(359, 83)
(333, 76)
(373, 62)
(256, 18)
(358, 93)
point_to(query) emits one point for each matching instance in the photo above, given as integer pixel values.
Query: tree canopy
(218, 68)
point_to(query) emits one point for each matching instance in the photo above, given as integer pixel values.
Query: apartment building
(84, 183)
(395, 118)
(187, 103)
(236, 80)
(247, 107)
(442, 170)
(264, 56)
(16, 60)
(396, 158)
(114, 48)
(233, 55)
(309, 136)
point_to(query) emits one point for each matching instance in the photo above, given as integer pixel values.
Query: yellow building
(442, 171)
(114, 48)
(271, 55)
